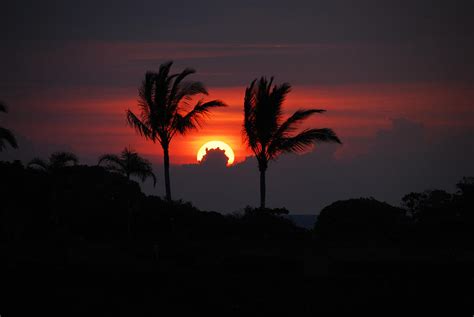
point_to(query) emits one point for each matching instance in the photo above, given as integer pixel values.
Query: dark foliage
(361, 222)
(442, 218)
(88, 238)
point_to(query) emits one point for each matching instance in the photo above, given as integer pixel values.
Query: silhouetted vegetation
(361, 222)
(163, 98)
(150, 253)
(56, 161)
(128, 163)
(90, 233)
(6, 136)
(267, 134)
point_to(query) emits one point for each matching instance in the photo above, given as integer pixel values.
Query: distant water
(304, 221)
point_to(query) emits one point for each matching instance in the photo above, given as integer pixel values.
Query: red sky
(396, 79)
(69, 70)
(92, 120)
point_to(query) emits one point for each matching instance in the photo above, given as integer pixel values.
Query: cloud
(400, 159)
(405, 157)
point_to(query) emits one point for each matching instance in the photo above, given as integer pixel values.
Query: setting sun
(214, 145)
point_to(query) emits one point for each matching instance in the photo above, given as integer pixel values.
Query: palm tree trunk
(262, 188)
(167, 172)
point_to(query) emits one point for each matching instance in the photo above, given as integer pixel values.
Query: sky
(70, 70)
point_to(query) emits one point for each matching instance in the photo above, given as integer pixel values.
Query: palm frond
(249, 130)
(8, 137)
(291, 124)
(145, 92)
(162, 86)
(268, 108)
(127, 153)
(193, 119)
(144, 174)
(187, 90)
(177, 82)
(137, 165)
(152, 175)
(276, 99)
(140, 127)
(110, 159)
(302, 141)
(129, 163)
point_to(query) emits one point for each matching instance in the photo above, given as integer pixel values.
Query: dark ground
(83, 241)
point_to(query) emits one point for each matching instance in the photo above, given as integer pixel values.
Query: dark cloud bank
(400, 160)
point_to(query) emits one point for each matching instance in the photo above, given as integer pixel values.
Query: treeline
(93, 203)
(433, 218)
(92, 236)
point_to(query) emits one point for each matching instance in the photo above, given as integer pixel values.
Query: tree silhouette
(129, 163)
(162, 99)
(56, 161)
(6, 136)
(267, 134)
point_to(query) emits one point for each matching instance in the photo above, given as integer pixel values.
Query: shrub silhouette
(360, 222)
(162, 99)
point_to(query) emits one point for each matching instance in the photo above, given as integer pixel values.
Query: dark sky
(70, 69)
(240, 21)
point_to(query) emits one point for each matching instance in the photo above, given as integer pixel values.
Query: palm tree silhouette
(56, 161)
(267, 134)
(129, 163)
(6, 136)
(162, 98)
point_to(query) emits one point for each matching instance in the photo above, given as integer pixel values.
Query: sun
(214, 145)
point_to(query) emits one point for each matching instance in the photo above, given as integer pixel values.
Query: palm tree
(267, 134)
(129, 163)
(56, 161)
(6, 136)
(162, 99)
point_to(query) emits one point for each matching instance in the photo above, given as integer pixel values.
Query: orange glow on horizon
(93, 123)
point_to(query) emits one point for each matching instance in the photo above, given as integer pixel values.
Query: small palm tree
(129, 163)
(56, 161)
(6, 136)
(267, 134)
(162, 99)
